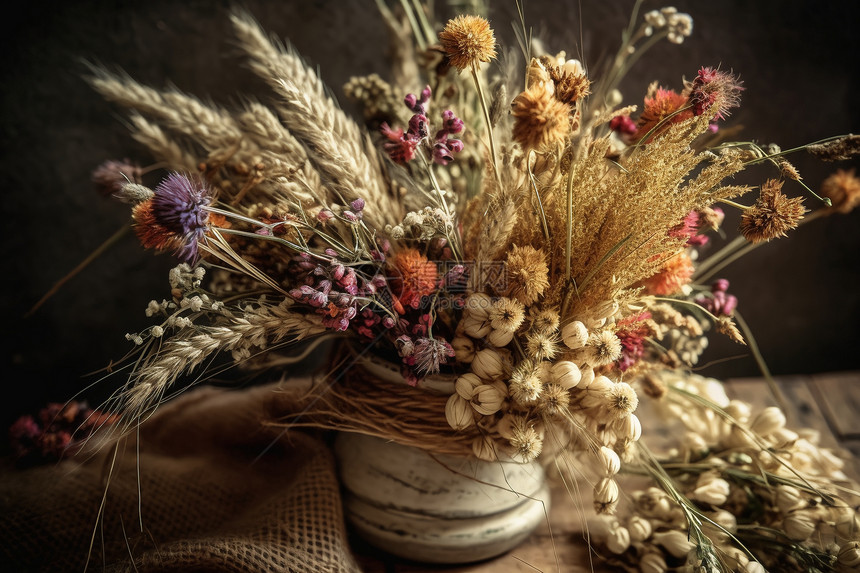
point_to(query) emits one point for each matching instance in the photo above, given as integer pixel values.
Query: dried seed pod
(574, 335)
(566, 374)
(606, 496)
(618, 540)
(640, 528)
(458, 412)
(674, 542)
(799, 525)
(487, 364)
(609, 461)
(768, 421)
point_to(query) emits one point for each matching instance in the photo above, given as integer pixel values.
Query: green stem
(731, 203)
(716, 257)
(687, 303)
(729, 253)
(726, 262)
(488, 121)
(455, 244)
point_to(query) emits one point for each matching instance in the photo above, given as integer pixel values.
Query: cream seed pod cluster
(553, 398)
(734, 466)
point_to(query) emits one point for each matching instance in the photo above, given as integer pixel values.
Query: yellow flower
(540, 120)
(468, 40)
(528, 274)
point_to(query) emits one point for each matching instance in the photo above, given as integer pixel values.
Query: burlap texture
(212, 497)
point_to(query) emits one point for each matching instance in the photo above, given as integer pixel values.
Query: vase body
(438, 509)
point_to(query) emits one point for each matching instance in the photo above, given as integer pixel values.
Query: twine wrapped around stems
(362, 403)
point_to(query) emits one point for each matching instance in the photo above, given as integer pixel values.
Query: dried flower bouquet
(519, 232)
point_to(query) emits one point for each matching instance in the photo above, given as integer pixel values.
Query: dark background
(797, 60)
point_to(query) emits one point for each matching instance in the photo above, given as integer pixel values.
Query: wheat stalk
(210, 126)
(346, 159)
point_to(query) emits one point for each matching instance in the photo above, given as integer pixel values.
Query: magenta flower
(714, 88)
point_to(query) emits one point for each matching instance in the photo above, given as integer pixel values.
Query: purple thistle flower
(179, 206)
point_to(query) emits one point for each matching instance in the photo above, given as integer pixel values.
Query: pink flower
(400, 148)
(713, 87)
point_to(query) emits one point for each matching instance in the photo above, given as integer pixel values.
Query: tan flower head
(843, 190)
(526, 441)
(603, 348)
(544, 320)
(726, 326)
(468, 40)
(553, 400)
(773, 214)
(506, 315)
(540, 120)
(569, 87)
(527, 273)
(542, 345)
(526, 388)
(789, 171)
(622, 400)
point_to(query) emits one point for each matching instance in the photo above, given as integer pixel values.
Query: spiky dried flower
(540, 120)
(506, 315)
(603, 348)
(468, 40)
(527, 273)
(554, 399)
(772, 215)
(839, 150)
(843, 190)
(621, 400)
(525, 387)
(430, 353)
(175, 217)
(526, 442)
(569, 87)
(545, 320)
(542, 345)
(660, 103)
(714, 89)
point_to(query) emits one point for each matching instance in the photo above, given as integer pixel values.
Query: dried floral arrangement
(519, 248)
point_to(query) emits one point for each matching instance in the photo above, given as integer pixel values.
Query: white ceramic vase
(437, 509)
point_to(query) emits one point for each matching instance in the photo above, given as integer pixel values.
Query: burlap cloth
(212, 497)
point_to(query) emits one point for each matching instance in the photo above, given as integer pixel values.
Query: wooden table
(828, 403)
